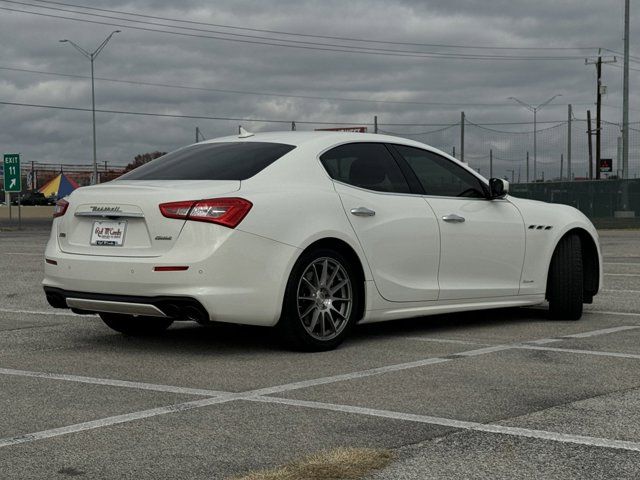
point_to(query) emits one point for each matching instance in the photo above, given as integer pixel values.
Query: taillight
(223, 211)
(60, 208)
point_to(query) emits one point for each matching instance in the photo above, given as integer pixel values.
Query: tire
(315, 318)
(565, 286)
(135, 325)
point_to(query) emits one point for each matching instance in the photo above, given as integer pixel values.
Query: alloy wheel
(324, 298)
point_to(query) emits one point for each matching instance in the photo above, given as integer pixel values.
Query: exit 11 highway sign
(12, 182)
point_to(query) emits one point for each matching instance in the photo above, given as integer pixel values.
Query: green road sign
(12, 182)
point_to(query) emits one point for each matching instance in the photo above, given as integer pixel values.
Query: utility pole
(561, 165)
(490, 163)
(92, 56)
(105, 166)
(293, 126)
(569, 118)
(462, 137)
(197, 134)
(619, 157)
(527, 167)
(589, 132)
(375, 124)
(599, 91)
(625, 98)
(533, 109)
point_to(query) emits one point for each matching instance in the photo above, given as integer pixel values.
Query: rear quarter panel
(295, 203)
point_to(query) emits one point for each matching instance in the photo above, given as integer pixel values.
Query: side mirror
(498, 188)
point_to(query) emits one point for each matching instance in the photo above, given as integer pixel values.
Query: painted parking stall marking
(260, 395)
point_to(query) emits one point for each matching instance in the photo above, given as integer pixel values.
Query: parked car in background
(312, 232)
(32, 198)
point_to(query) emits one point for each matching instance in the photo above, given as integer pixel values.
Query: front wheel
(565, 287)
(135, 325)
(321, 301)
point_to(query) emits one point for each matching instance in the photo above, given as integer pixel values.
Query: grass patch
(336, 464)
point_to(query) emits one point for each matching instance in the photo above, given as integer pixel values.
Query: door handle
(362, 212)
(453, 218)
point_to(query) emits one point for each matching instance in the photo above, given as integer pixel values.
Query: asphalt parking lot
(494, 394)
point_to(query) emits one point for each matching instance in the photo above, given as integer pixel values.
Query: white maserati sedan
(312, 232)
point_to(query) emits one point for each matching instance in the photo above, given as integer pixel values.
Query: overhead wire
(246, 119)
(307, 35)
(253, 39)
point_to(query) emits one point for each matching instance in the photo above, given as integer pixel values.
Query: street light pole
(533, 109)
(92, 56)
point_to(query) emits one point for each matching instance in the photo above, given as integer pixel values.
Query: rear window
(211, 161)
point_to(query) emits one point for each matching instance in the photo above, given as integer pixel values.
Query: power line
(420, 133)
(296, 34)
(558, 124)
(271, 94)
(256, 120)
(607, 49)
(289, 44)
(622, 66)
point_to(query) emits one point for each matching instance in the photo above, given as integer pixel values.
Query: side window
(440, 176)
(365, 165)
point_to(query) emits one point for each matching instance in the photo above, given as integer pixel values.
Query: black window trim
(401, 161)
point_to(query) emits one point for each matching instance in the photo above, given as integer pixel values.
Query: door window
(365, 165)
(440, 176)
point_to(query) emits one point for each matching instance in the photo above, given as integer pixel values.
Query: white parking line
(42, 312)
(585, 352)
(104, 422)
(446, 340)
(601, 312)
(348, 376)
(604, 331)
(112, 383)
(448, 422)
(258, 393)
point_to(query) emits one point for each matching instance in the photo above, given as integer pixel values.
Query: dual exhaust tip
(185, 311)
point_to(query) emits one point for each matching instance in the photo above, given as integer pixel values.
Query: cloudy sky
(430, 80)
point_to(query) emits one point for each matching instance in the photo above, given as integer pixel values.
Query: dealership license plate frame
(117, 242)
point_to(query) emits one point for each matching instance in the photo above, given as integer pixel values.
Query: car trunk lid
(123, 218)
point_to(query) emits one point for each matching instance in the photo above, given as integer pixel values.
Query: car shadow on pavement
(194, 339)
(451, 323)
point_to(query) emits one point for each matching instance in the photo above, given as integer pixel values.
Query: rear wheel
(321, 301)
(135, 325)
(565, 287)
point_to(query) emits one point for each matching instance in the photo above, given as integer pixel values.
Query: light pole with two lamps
(535, 112)
(92, 56)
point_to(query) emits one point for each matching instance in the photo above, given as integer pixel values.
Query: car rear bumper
(239, 280)
(183, 308)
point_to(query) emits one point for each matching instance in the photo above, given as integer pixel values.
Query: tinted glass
(440, 176)
(211, 161)
(365, 165)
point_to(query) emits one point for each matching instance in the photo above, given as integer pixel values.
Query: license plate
(108, 234)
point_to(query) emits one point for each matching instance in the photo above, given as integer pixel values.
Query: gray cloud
(65, 136)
